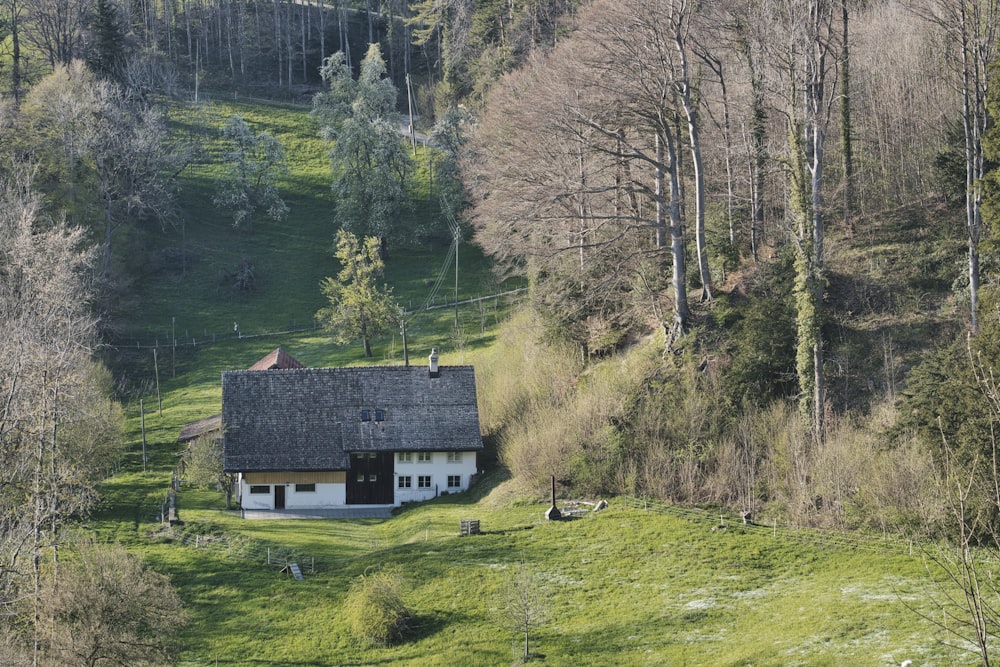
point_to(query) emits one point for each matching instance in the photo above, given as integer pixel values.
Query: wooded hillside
(759, 236)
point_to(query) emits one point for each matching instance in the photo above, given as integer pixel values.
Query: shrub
(375, 610)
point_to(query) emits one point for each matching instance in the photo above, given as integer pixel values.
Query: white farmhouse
(321, 438)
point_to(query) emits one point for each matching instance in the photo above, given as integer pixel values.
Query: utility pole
(406, 351)
(409, 102)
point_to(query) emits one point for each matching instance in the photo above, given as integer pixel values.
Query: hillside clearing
(624, 586)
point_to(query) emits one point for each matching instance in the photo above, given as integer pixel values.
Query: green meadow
(635, 584)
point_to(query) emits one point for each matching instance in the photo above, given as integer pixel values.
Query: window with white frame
(454, 457)
(260, 488)
(454, 481)
(424, 482)
(305, 488)
(405, 481)
(424, 457)
(404, 457)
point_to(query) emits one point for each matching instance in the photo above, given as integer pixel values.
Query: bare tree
(58, 433)
(109, 609)
(57, 28)
(807, 63)
(971, 29)
(522, 604)
(253, 161)
(103, 149)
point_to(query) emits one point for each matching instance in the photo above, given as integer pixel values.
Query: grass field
(627, 586)
(633, 585)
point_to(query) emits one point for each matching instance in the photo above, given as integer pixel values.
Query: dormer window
(379, 415)
(366, 415)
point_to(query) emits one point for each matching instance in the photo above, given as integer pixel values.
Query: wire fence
(188, 338)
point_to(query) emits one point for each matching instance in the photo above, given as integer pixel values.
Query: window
(404, 457)
(305, 488)
(405, 481)
(373, 477)
(424, 481)
(260, 488)
(454, 457)
(423, 457)
(379, 415)
(361, 477)
(454, 481)
(366, 415)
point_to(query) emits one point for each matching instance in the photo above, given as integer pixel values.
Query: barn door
(369, 481)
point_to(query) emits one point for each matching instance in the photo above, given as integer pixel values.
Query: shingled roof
(311, 419)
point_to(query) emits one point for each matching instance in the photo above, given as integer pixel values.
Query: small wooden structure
(469, 527)
(294, 569)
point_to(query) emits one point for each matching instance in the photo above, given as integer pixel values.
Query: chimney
(433, 363)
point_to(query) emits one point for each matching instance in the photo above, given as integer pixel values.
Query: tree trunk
(847, 144)
(15, 42)
(758, 141)
(677, 244)
(691, 114)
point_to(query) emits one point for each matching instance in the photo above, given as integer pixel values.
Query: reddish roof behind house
(277, 360)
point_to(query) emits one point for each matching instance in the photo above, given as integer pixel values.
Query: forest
(758, 236)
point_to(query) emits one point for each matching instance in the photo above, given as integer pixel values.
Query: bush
(375, 610)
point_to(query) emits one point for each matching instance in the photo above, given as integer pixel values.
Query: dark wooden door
(369, 481)
(279, 496)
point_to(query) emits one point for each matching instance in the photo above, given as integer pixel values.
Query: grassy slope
(625, 587)
(189, 300)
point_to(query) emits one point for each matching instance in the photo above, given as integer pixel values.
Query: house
(275, 360)
(314, 438)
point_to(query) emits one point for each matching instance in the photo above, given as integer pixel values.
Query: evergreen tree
(106, 56)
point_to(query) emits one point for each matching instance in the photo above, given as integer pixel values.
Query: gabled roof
(277, 360)
(311, 418)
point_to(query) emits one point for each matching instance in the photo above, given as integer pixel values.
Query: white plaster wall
(325, 495)
(439, 470)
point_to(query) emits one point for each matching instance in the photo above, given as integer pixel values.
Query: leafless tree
(109, 609)
(102, 147)
(522, 604)
(971, 30)
(58, 433)
(57, 28)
